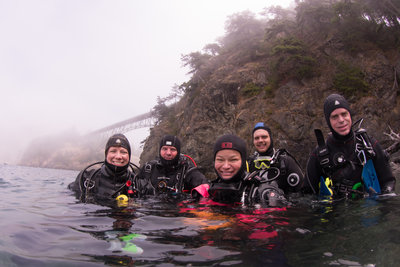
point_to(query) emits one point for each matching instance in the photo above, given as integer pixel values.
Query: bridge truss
(140, 121)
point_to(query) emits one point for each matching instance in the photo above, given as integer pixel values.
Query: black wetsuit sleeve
(313, 174)
(385, 175)
(76, 185)
(139, 175)
(142, 181)
(194, 177)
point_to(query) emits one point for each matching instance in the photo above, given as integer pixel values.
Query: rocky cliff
(279, 71)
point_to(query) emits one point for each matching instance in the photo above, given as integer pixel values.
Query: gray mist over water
(77, 66)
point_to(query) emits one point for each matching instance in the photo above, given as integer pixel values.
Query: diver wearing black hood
(333, 102)
(172, 173)
(230, 166)
(102, 182)
(343, 156)
(276, 164)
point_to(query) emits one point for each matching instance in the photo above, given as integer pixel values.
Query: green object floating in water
(129, 237)
(130, 246)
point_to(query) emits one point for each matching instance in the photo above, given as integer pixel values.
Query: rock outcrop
(231, 91)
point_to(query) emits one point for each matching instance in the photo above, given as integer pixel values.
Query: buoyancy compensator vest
(331, 164)
(89, 182)
(274, 167)
(157, 178)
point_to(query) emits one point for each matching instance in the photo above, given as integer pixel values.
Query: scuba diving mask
(262, 163)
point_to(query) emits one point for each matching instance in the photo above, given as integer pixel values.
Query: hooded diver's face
(340, 120)
(168, 152)
(261, 140)
(117, 156)
(227, 163)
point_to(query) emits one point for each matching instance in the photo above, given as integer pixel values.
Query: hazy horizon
(81, 65)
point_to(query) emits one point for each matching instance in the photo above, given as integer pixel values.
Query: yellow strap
(329, 184)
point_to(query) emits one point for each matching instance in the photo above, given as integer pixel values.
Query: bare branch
(396, 138)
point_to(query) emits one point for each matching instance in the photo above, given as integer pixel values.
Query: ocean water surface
(42, 224)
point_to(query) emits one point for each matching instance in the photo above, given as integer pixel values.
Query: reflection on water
(43, 225)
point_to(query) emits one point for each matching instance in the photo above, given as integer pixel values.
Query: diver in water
(350, 163)
(172, 174)
(104, 181)
(277, 166)
(230, 167)
(233, 184)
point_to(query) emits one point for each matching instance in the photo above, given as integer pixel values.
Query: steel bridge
(137, 122)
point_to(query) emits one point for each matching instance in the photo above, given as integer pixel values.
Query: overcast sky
(86, 64)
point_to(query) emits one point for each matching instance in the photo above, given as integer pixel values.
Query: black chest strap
(322, 152)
